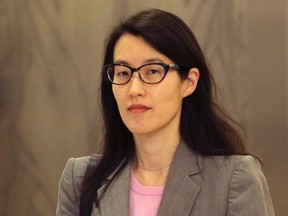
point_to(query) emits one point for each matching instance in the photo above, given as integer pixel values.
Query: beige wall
(267, 122)
(50, 56)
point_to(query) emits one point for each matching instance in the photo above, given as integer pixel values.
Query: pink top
(144, 200)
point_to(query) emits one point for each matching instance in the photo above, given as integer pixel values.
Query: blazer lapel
(181, 191)
(115, 200)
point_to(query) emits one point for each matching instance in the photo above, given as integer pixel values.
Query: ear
(191, 81)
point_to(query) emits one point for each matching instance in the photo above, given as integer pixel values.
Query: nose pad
(137, 74)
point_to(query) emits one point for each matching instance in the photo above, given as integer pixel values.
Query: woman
(168, 150)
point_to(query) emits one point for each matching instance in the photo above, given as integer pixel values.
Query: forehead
(135, 50)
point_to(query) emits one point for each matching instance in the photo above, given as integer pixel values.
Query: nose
(136, 87)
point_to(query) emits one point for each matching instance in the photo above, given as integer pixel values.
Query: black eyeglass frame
(166, 67)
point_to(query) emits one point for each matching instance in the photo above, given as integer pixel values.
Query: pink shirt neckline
(144, 200)
(144, 189)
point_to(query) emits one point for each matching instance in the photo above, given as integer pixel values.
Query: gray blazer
(196, 186)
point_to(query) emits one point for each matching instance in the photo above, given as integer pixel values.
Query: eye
(122, 73)
(153, 72)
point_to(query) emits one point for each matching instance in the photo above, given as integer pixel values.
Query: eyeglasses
(152, 73)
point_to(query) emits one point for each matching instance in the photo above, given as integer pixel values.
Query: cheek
(170, 100)
(119, 97)
(116, 93)
(175, 92)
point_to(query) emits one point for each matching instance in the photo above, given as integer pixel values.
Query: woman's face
(148, 108)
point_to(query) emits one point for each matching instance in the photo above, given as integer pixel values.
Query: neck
(155, 153)
(167, 166)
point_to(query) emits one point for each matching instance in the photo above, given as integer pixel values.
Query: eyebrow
(151, 60)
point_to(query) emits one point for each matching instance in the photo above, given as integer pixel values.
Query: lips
(138, 108)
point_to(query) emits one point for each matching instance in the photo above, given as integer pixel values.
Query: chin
(139, 131)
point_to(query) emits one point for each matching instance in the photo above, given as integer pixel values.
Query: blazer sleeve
(70, 187)
(249, 192)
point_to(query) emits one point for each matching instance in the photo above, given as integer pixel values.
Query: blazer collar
(181, 190)
(180, 187)
(115, 200)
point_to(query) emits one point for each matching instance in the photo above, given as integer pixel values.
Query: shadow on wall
(44, 106)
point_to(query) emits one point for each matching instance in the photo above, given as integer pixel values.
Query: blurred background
(50, 61)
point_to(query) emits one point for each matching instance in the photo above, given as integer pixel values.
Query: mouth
(138, 108)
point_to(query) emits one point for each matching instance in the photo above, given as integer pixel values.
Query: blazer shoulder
(70, 185)
(249, 191)
(239, 184)
(80, 164)
(230, 168)
(230, 163)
